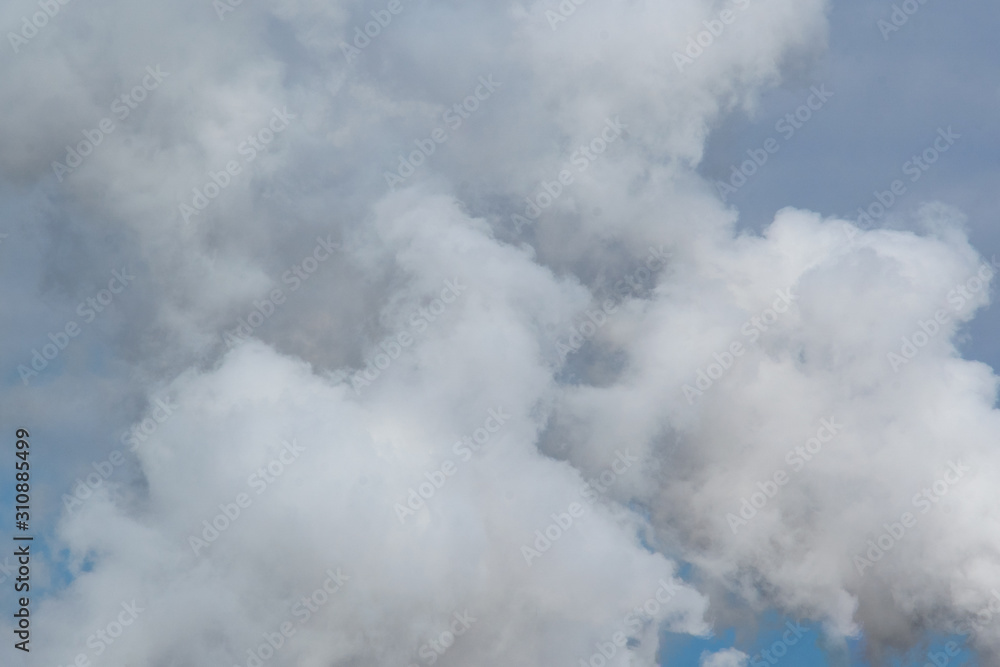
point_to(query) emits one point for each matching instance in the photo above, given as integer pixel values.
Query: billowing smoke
(406, 333)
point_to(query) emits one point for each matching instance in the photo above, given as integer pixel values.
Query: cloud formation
(442, 416)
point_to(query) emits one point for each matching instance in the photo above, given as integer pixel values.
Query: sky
(399, 332)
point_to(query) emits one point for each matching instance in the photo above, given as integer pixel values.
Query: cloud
(727, 658)
(331, 488)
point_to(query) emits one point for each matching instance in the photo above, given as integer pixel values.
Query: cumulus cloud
(439, 349)
(727, 658)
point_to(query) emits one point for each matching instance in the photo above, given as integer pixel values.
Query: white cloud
(727, 658)
(494, 346)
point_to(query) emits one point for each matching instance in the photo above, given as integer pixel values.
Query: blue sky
(890, 97)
